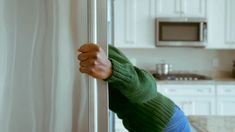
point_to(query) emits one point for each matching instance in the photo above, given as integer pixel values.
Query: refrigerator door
(41, 88)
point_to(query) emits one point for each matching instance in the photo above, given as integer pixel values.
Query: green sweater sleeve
(136, 84)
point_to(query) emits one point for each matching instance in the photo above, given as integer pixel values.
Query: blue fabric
(178, 123)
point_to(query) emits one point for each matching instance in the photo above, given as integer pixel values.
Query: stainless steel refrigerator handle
(92, 87)
(102, 39)
(98, 94)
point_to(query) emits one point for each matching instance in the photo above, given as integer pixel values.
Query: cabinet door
(134, 23)
(194, 8)
(221, 24)
(168, 8)
(145, 23)
(226, 99)
(181, 8)
(118, 126)
(226, 106)
(192, 99)
(196, 105)
(230, 23)
(186, 90)
(124, 22)
(216, 25)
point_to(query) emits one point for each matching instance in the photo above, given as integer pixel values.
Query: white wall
(184, 59)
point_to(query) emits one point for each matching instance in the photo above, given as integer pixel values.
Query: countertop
(213, 123)
(222, 78)
(213, 81)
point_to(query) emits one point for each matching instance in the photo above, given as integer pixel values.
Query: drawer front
(187, 89)
(225, 90)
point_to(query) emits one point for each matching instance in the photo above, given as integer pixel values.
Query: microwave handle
(201, 31)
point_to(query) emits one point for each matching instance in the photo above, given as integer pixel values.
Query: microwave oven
(185, 32)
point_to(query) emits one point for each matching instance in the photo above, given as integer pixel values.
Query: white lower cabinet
(197, 99)
(226, 106)
(215, 99)
(118, 125)
(192, 99)
(226, 100)
(196, 105)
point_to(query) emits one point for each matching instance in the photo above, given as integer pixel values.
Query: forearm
(137, 85)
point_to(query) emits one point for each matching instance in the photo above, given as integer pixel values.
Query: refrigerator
(41, 88)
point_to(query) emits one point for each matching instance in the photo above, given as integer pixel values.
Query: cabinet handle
(228, 90)
(183, 6)
(189, 102)
(186, 102)
(229, 42)
(199, 90)
(172, 90)
(177, 4)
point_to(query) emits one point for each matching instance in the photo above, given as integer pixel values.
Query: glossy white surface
(39, 65)
(41, 88)
(201, 98)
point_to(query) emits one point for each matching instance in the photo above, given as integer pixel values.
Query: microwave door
(187, 34)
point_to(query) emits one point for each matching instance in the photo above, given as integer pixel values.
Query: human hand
(94, 62)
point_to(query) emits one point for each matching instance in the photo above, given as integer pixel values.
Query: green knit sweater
(134, 98)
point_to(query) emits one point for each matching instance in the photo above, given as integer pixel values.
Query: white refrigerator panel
(41, 88)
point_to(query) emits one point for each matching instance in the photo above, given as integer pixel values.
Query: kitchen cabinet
(226, 100)
(181, 8)
(119, 126)
(216, 24)
(134, 23)
(230, 23)
(197, 99)
(195, 106)
(192, 99)
(221, 24)
(134, 20)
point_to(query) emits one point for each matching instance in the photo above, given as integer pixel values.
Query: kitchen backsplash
(203, 61)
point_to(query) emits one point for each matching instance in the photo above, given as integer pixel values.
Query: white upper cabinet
(168, 8)
(216, 24)
(230, 23)
(181, 8)
(134, 20)
(134, 23)
(221, 24)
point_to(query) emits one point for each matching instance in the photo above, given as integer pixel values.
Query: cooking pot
(163, 69)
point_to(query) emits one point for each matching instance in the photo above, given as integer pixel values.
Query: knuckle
(80, 63)
(93, 62)
(79, 57)
(81, 70)
(96, 54)
(98, 48)
(92, 71)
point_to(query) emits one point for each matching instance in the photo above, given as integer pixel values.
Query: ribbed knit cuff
(119, 73)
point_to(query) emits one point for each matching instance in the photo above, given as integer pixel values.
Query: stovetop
(181, 76)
